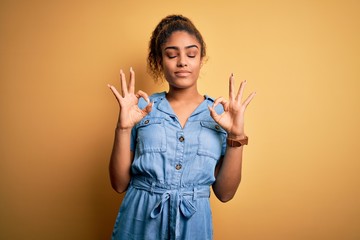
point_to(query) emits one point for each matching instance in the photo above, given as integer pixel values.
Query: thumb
(214, 114)
(148, 108)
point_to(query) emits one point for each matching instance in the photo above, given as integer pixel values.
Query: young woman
(169, 148)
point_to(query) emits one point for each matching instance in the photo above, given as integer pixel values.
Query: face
(181, 60)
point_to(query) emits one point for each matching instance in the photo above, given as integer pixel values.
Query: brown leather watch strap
(237, 143)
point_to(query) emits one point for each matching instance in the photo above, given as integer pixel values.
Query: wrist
(239, 141)
(122, 130)
(236, 136)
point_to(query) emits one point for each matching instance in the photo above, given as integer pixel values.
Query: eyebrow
(177, 48)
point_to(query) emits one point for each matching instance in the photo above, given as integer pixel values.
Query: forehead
(181, 39)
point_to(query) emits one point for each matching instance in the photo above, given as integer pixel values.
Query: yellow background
(301, 170)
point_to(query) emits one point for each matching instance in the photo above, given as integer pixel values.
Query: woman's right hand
(130, 113)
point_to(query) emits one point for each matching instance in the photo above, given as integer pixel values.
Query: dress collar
(165, 106)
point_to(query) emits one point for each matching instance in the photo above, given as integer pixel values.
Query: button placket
(180, 146)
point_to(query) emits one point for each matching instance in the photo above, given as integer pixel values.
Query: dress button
(178, 166)
(217, 127)
(146, 121)
(181, 139)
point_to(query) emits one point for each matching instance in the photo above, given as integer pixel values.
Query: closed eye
(171, 54)
(192, 53)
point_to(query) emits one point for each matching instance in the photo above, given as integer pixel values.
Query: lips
(182, 73)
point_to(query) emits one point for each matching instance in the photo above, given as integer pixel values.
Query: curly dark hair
(161, 33)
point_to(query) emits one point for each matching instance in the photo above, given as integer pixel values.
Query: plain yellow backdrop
(301, 169)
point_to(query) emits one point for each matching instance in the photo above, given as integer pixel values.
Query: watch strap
(237, 143)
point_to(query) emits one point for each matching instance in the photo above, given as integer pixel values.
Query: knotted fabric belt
(176, 198)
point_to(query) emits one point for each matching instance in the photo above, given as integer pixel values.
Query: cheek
(166, 69)
(166, 64)
(197, 66)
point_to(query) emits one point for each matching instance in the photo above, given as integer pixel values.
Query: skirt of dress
(152, 212)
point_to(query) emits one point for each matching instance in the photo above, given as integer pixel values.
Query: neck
(183, 95)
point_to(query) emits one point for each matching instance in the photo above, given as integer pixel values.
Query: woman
(169, 148)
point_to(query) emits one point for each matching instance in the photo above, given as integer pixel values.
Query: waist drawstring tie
(178, 202)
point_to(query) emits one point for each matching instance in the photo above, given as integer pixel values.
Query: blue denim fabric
(172, 171)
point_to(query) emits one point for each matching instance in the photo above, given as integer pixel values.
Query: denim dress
(172, 171)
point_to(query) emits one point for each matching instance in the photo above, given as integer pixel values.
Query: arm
(129, 115)
(120, 161)
(228, 175)
(228, 171)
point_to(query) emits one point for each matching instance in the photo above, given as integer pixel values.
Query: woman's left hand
(232, 119)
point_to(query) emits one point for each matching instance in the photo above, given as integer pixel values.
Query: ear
(202, 61)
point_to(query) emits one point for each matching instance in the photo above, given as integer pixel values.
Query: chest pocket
(151, 135)
(211, 139)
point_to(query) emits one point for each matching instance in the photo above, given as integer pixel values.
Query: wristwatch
(237, 143)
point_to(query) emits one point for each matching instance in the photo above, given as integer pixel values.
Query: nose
(181, 61)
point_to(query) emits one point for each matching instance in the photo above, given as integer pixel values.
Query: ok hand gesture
(130, 113)
(232, 119)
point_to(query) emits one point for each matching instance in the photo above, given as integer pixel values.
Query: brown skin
(181, 64)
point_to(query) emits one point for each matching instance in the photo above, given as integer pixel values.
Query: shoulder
(157, 96)
(153, 98)
(210, 101)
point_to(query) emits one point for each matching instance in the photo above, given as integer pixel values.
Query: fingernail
(232, 74)
(131, 69)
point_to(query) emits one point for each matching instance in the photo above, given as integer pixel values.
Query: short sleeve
(133, 139)
(224, 145)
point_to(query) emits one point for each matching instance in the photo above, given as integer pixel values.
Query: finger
(132, 81)
(115, 92)
(143, 95)
(223, 102)
(219, 100)
(123, 83)
(231, 86)
(148, 108)
(240, 91)
(214, 114)
(249, 98)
